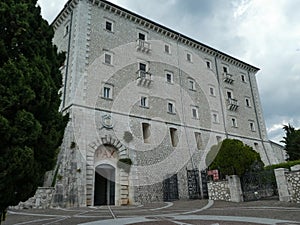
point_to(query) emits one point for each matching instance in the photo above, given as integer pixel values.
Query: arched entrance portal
(104, 190)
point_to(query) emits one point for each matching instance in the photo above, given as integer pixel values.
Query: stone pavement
(178, 212)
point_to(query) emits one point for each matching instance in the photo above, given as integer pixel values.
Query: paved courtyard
(169, 213)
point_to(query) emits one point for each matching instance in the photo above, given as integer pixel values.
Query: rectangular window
(233, 122)
(208, 64)
(229, 95)
(198, 140)
(144, 101)
(169, 77)
(108, 58)
(107, 91)
(142, 70)
(189, 57)
(146, 132)
(142, 36)
(67, 28)
(192, 84)
(142, 67)
(212, 91)
(215, 117)
(167, 48)
(252, 126)
(243, 78)
(247, 102)
(171, 107)
(174, 137)
(108, 25)
(225, 69)
(195, 112)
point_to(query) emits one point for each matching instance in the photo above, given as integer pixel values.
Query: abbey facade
(138, 91)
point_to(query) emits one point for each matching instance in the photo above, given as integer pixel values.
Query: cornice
(148, 24)
(64, 13)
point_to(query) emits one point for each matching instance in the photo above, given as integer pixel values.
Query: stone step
(124, 182)
(123, 173)
(124, 201)
(124, 192)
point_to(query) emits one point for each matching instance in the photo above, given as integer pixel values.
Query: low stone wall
(288, 183)
(219, 190)
(293, 179)
(41, 200)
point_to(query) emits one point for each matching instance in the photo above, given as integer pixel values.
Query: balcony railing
(228, 78)
(143, 78)
(232, 104)
(143, 46)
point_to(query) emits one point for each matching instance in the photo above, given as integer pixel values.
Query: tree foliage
(31, 128)
(292, 142)
(235, 158)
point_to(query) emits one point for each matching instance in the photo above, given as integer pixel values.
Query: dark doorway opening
(104, 193)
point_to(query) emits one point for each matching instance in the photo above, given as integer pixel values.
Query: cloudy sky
(264, 33)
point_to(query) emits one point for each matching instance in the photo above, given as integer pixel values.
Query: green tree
(31, 127)
(236, 158)
(292, 142)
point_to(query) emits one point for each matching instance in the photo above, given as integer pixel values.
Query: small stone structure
(219, 190)
(41, 200)
(288, 183)
(226, 190)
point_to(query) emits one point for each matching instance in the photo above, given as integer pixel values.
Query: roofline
(70, 5)
(274, 143)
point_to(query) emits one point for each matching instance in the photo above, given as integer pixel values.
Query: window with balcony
(143, 75)
(229, 95)
(231, 102)
(142, 44)
(228, 78)
(142, 36)
(142, 71)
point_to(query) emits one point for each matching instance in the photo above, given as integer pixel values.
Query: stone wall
(288, 183)
(228, 190)
(219, 190)
(293, 179)
(41, 200)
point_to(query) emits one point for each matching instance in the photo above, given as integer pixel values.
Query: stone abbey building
(137, 90)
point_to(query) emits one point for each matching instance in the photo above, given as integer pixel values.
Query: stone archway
(105, 151)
